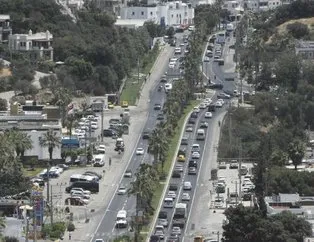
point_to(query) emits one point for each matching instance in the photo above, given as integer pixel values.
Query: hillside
(96, 52)
(282, 29)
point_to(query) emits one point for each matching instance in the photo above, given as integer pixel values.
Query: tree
(21, 142)
(247, 224)
(50, 140)
(296, 151)
(3, 104)
(298, 30)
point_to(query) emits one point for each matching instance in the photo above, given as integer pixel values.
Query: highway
(210, 68)
(106, 228)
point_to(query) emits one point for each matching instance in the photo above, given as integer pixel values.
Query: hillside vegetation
(96, 52)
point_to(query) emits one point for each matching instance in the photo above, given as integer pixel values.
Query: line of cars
(85, 124)
(170, 225)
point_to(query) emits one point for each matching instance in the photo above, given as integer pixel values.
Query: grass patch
(133, 84)
(167, 165)
(30, 173)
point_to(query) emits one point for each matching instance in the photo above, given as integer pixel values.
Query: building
(5, 28)
(39, 43)
(167, 14)
(305, 49)
(35, 120)
(130, 23)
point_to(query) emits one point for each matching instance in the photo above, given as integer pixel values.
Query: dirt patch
(308, 21)
(5, 72)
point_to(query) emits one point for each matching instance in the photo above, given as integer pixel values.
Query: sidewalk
(139, 116)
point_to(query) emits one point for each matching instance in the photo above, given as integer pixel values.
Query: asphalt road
(106, 228)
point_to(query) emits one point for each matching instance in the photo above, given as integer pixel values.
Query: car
(208, 115)
(193, 163)
(163, 215)
(202, 106)
(223, 95)
(221, 100)
(108, 132)
(160, 234)
(81, 194)
(179, 168)
(173, 187)
(101, 149)
(139, 151)
(195, 147)
(172, 194)
(128, 174)
(192, 171)
(196, 155)
(63, 166)
(234, 164)
(146, 134)
(99, 240)
(160, 116)
(185, 197)
(93, 173)
(185, 140)
(203, 124)
(176, 230)
(122, 190)
(154, 238)
(157, 106)
(176, 174)
(187, 185)
(194, 115)
(163, 222)
(215, 86)
(222, 165)
(171, 65)
(182, 151)
(163, 79)
(206, 103)
(218, 104)
(192, 120)
(206, 59)
(196, 109)
(181, 158)
(173, 238)
(78, 189)
(189, 128)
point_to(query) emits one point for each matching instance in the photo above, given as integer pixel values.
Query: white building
(5, 28)
(40, 43)
(168, 14)
(305, 49)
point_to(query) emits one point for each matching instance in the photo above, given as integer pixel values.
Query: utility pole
(26, 229)
(230, 129)
(241, 88)
(239, 172)
(102, 123)
(236, 189)
(138, 70)
(51, 207)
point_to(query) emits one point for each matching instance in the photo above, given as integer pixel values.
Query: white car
(172, 65)
(196, 109)
(99, 240)
(81, 190)
(176, 230)
(187, 185)
(185, 197)
(122, 190)
(196, 155)
(101, 149)
(218, 104)
(172, 194)
(208, 115)
(206, 59)
(79, 194)
(202, 106)
(206, 103)
(221, 100)
(139, 151)
(208, 100)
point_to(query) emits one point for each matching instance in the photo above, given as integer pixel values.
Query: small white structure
(305, 49)
(168, 14)
(39, 42)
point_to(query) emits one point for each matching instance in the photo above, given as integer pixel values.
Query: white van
(187, 185)
(177, 51)
(99, 160)
(200, 135)
(168, 202)
(121, 221)
(168, 87)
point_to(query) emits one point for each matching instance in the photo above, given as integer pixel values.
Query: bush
(214, 174)
(54, 231)
(298, 30)
(71, 227)
(10, 239)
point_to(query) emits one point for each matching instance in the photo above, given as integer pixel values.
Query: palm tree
(143, 188)
(21, 142)
(296, 151)
(7, 152)
(51, 141)
(158, 145)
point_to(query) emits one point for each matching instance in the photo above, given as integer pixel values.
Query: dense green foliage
(248, 224)
(97, 54)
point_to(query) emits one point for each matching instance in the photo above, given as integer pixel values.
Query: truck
(119, 145)
(98, 160)
(179, 217)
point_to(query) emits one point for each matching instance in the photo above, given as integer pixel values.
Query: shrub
(298, 30)
(71, 227)
(10, 239)
(54, 231)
